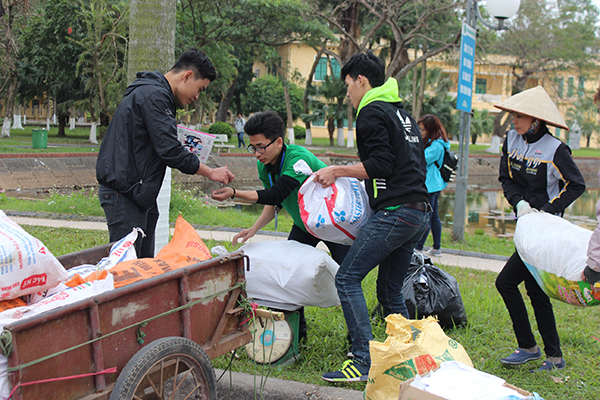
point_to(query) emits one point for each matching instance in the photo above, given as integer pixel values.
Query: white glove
(523, 208)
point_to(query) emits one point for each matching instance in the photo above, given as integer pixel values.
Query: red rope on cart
(254, 307)
(64, 378)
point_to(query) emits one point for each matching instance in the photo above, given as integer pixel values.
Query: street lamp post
(501, 10)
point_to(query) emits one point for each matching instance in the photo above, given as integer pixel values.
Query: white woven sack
(26, 265)
(552, 244)
(336, 213)
(290, 272)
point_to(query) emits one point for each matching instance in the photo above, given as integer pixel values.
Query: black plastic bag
(429, 290)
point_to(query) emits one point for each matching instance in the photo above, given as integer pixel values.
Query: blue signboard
(465, 70)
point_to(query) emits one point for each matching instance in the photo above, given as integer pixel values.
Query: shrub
(299, 132)
(221, 128)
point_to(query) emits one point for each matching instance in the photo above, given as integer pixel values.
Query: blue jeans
(387, 240)
(122, 215)
(240, 136)
(436, 224)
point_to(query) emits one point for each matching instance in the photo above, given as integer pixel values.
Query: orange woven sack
(185, 248)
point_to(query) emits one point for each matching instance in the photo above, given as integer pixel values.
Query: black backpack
(449, 165)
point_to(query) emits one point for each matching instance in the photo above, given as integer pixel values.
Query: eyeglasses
(260, 149)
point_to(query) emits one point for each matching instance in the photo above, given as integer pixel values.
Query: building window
(570, 86)
(321, 71)
(560, 86)
(257, 72)
(480, 86)
(581, 89)
(335, 66)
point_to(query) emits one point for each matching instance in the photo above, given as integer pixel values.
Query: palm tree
(585, 112)
(481, 123)
(331, 90)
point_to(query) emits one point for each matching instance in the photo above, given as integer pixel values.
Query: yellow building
(492, 83)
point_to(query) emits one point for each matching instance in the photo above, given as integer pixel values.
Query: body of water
(489, 211)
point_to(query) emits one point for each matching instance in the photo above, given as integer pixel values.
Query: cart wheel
(171, 368)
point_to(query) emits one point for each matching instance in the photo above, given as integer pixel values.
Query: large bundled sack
(413, 347)
(290, 272)
(185, 248)
(431, 291)
(336, 213)
(555, 251)
(26, 265)
(122, 250)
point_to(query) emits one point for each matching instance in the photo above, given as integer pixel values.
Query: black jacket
(539, 168)
(391, 150)
(141, 141)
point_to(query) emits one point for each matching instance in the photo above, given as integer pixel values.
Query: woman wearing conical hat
(537, 172)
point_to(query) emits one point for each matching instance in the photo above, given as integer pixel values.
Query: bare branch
(425, 56)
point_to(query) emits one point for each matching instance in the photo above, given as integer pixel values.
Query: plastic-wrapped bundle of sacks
(555, 251)
(290, 272)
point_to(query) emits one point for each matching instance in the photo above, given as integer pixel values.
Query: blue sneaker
(549, 366)
(521, 356)
(351, 371)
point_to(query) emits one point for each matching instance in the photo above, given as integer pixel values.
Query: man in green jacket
(281, 183)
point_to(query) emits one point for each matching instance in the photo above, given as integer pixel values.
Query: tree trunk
(350, 110)
(340, 123)
(331, 130)
(151, 36)
(499, 126)
(63, 119)
(226, 102)
(311, 74)
(419, 105)
(288, 109)
(152, 47)
(10, 102)
(415, 94)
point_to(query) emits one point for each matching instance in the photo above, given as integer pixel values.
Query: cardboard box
(408, 392)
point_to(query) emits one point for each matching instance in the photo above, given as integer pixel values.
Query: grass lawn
(487, 337)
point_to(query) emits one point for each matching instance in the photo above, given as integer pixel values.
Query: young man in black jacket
(141, 141)
(392, 163)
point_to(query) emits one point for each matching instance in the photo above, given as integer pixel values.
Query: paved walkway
(451, 257)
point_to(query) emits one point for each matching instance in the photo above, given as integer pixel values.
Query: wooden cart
(159, 333)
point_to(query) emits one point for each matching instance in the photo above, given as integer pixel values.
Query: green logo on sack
(445, 357)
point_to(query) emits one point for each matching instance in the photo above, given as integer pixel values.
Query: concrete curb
(247, 387)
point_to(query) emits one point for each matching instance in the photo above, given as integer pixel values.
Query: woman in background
(435, 142)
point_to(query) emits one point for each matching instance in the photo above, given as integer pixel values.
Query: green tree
(481, 122)
(267, 93)
(324, 106)
(12, 17)
(101, 64)
(546, 37)
(249, 25)
(49, 56)
(585, 112)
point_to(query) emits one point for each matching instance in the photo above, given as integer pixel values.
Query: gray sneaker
(434, 252)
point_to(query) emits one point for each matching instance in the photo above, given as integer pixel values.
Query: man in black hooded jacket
(141, 141)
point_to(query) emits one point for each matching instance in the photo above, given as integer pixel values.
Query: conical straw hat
(535, 103)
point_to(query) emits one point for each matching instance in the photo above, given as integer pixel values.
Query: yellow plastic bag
(413, 347)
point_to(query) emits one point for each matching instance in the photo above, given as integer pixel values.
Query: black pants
(122, 215)
(338, 252)
(507, 282)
